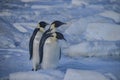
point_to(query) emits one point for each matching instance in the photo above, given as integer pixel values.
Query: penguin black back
(41, 45)
(41, 24)
(31, 42)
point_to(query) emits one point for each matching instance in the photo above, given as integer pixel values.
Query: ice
(47, 7)
(92, 34)
(5, 14)
(29, 0)
(76, 27)
(103, 31)
(20, 28)
(6, 42)
(98, 49)
(96, 6)
(39, 7)
(18, 66)
(74, 74)
(54, 75)
(111, 14)
(28, 25)
(7, 56)
(79, 2)
(110, 76)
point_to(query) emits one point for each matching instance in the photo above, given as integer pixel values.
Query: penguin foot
(34, 69)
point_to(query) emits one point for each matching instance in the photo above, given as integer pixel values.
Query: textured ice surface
(51, 75)
(103, 31)
(72, 74)
(92, 31)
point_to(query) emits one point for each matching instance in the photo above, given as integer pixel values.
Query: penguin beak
(64, 39)
(64, 23)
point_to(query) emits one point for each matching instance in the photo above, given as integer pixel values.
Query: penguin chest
(37, 37)
(36, 47)
(51, 53)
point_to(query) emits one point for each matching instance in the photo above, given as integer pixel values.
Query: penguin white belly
(51, 53)
(36, 57)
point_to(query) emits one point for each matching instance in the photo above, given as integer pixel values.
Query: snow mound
(19, 27)
(43, 75)
(103, 31)
(96, 6)
(76, 28)
(79, 2)
(40, 6)
(98, 49)
(73, 74)
(29, 0)
(111, 14)
(4, 13)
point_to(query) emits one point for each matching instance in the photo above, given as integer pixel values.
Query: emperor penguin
(34, 44)
(51, 29)
(53, 26)
(51, 50)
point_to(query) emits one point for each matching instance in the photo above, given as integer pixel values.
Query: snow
(112, 0)
(92, 34)
(19, 66)
(28, 0)
(47, 7)
(95, 49)
(20, 28)
(111, 14)
(103, 31)
(7, 56)
(76, 28)
(5, 14)
(34, 76)
(28, 25)
(39, 7)
(74, 74)
(96, 6)
(79, 2)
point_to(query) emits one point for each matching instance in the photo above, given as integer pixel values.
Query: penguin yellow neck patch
(52, 26)
(42, 29)
(54, 37)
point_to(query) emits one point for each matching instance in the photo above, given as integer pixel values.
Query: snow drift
(73, 74)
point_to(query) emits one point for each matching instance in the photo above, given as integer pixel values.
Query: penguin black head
(58, 35)
(56, 24)
(42, 24)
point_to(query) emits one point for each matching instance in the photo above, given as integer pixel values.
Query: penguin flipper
(31, 42)
(41, 45)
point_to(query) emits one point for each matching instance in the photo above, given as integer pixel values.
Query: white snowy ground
(92, 51)
(15, 65)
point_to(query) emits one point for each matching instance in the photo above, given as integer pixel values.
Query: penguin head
(56, 24)
(42, 25)
(58, 35)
